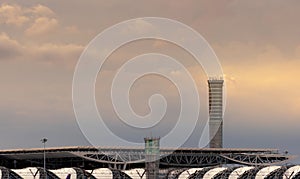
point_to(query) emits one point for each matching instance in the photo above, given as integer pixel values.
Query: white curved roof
(64, 172)
(28, 173)
(238, 172)
(262, 173)
(136, 173)
(291, 172)
(211, 173)
(101, 173)
(187, 173)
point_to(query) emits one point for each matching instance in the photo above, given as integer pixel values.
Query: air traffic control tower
(215, 112)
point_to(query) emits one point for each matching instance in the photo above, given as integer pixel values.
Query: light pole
(44, 140)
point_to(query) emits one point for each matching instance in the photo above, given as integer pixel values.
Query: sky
(257, 44)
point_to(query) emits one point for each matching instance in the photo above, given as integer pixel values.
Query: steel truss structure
(130, 158)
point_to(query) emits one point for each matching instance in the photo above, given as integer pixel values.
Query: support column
(152, 155)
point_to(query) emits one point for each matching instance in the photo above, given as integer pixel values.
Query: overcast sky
(257, 43)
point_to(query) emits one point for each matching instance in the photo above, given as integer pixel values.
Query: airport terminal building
(152, 161)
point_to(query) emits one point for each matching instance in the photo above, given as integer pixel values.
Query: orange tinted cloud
(41, 26)
(12, 15)
(9, 48)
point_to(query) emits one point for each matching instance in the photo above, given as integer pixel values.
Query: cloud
(38, 20)
(40, 10)
(72, 30)
(139, 26)
(41, 26)
(49, 53)
(261, 75)
(262, 81)
(8, 47)
(12, 15)
(65, 54)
